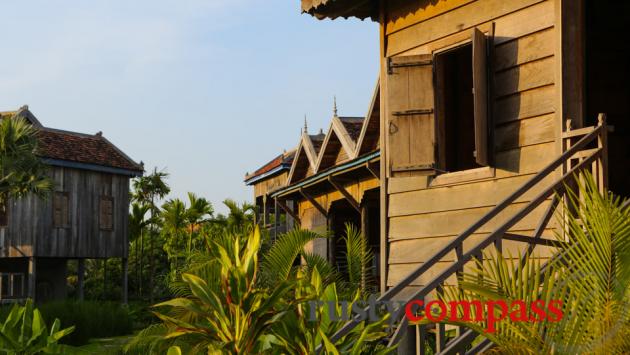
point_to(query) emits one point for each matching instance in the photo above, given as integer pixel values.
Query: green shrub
(25, 332)
(92, 319)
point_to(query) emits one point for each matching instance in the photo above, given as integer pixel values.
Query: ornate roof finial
(305, 125)
(335, 105)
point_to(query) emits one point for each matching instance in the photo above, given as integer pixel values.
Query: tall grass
(92, 319)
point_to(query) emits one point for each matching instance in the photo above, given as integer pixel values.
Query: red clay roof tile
(82, 148)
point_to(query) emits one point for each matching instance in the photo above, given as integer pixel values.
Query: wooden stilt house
(487, 109)
(85, 217)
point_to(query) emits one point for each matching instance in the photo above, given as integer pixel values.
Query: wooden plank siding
(312, 219)
(271, 184)
(424, 213)
(31, 231)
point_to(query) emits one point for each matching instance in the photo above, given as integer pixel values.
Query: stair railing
(577, 157)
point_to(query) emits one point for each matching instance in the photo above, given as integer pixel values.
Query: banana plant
(24, 332)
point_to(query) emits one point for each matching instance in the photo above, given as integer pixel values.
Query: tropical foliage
(25, 332)
(224, 308)
(21, 171)
(589, 275)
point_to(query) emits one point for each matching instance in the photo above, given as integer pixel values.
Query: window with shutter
(462, 105)
(410, 103)
(61, 217)
(106, 213)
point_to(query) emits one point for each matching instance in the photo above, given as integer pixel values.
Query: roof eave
(275, 171)
(92, 167)
(332, 9)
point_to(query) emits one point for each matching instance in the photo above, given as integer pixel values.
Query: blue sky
(206, 89)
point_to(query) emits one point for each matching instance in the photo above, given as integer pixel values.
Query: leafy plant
(223, 308)
(281, 262)
(359, 261)
(25, 332)
(229, 313)
(298, 333)
(92, 319)
(21, 170)
(589, 275)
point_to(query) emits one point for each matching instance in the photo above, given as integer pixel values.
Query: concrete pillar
(125, 290)
(32, 277)
(80, 278)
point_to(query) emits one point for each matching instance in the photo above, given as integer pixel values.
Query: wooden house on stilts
(85, 216)
(486, 109)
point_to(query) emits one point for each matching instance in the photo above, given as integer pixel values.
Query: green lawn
(106, 346)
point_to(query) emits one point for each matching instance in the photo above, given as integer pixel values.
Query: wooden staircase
(584, 149)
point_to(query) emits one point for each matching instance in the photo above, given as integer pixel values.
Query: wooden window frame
(66, 198)
(101, 199)
(486, 170)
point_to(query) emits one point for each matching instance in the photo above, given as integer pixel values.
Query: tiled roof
(285, 159)
(82, 148)
(353, 125)
(76, 147)
(317, 141)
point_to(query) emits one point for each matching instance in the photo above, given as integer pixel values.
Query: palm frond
(280, 259)
(359, 258)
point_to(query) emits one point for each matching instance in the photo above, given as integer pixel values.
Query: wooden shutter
(60, 210)
(106, 213)
(480, 89)
(410, 101)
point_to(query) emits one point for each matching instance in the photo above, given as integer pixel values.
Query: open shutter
(410, 101)
(480, 89)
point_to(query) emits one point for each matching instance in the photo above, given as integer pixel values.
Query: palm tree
(148, 189)
(590, 275)
(174, 222)
(198, 213)
(239, 215)
(137, 225)
(21, 170)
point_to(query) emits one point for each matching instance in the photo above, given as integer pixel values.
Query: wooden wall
(425, 212)
(30, 231)
(312, 219)
(271, 184)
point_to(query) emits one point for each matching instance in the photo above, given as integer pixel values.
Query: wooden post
(32, 275)
(365, 230)
(80, 278)
(125, 267)
(602, 162)
(265, 217)
(289, 219)
(104, 278)
(275, 220)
